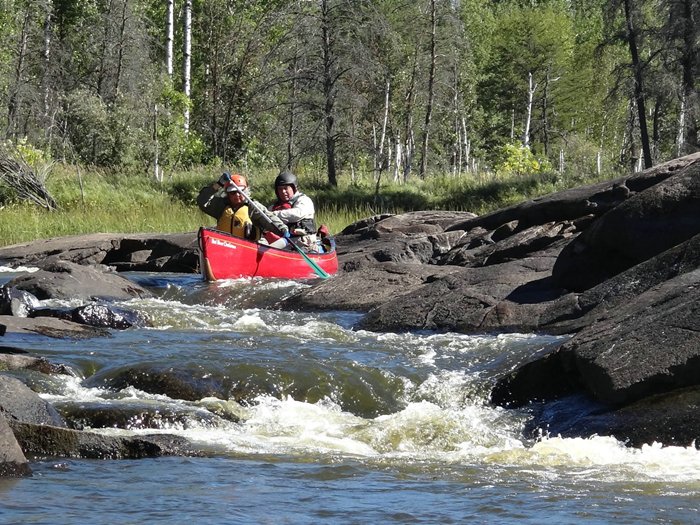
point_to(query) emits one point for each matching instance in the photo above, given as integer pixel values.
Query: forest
(389, 87)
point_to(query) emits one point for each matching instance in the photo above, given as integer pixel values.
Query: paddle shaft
(315, 267)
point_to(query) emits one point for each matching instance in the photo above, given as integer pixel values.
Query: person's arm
(267, 220)
(210, 203)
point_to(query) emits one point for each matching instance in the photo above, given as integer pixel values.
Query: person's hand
(224, 180)
(248, 232)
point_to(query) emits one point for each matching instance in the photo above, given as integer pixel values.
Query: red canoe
(224, 256)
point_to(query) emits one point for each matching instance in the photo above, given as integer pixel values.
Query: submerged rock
(13, 462)
(48, 441)
(50, 327)
(17, 302)
(99, 315)
(40, 431)
(134, 416)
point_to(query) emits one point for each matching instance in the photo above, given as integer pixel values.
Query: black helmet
(286, 177)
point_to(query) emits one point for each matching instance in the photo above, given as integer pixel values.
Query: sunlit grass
(24, 222)
(93, 201)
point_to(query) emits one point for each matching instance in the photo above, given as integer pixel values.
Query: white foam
(19, 269)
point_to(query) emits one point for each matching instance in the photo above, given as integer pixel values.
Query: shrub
(518, 160)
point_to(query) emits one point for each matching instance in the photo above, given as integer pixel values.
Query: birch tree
(531, 47)
(187, 60)
(681, 34)
(430, 89)
(169, 36)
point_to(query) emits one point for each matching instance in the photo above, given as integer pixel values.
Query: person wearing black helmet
(296, 210)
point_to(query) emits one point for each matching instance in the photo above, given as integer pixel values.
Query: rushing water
(327, 424)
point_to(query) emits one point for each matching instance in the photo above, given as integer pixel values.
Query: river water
(326, 424)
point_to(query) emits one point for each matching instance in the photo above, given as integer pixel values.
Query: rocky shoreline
(616, 265)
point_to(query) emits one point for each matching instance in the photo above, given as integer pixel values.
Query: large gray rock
(19, 403)
(650, 344)
(370, 286)
(173, 252)
(646, 224)
(60, 279)
(636, 336)
(50, 327)
(574, 312)
(472, 299)
(13, 463)
(48, 441)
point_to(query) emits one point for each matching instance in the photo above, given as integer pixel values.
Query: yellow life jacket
(234, 222)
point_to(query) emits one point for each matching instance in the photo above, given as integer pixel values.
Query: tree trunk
(106, 41)
(466, 143)
(680, 137)
(689, 61)
(47, 61)
(545, 116)
(457, 142)
(291, 126)
(186, 60)
(431, 89)
(156, 147)
(170, 36)
(122, 44)
(638, 85)
(398, 157)
(15, 98)
(410, 99)
(328, 93)
(379, 163)
(656, 131)
(531, 88)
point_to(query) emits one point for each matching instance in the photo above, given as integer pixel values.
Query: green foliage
(264, 96)
(517, 160)
(176, 147)
(32, 156)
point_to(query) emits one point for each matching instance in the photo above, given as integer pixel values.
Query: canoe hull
(224, 256)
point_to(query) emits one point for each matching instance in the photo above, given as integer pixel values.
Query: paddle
(315, 267)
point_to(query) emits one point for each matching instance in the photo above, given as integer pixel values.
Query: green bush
(518, 160)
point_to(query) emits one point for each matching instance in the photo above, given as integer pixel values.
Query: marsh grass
(99, 201)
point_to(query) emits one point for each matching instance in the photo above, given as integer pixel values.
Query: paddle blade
(315, 267)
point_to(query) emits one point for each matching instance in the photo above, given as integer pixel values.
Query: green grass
(98, 201)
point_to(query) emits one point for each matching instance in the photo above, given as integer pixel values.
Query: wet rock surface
(614, 264)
